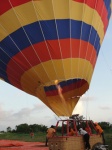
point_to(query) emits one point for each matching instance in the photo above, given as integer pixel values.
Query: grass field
(108, 139)
(40, 137)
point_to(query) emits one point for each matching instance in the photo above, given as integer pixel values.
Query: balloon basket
(72, 143)
(66, 143)
(63, 140)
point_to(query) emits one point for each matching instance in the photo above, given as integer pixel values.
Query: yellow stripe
(80, 12)
(54, 102)
(48, 78)
(111, 6)
(2, 79)
(56, 105)
(44, 11)
(3, 33)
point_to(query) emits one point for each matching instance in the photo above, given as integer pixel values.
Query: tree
(77, 117)
(8, 129)
(23, 128)
(105, 125)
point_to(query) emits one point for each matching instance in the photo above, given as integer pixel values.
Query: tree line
(25, 128)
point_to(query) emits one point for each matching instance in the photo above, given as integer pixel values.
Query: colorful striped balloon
(48, 48)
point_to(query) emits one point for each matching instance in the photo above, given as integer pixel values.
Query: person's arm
(54, 132)
(73, 131)
(97, 130)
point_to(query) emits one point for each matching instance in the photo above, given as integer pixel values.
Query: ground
(19, 145)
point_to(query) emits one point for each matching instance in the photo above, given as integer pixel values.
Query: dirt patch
(19, 145)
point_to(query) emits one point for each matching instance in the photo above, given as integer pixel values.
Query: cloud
(87, 98)
(104, 107)
(79, 108)
(82, 103)
(28, 111)
(24, 115)
(4, 114)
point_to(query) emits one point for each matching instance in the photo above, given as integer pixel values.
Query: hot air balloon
(49, 48)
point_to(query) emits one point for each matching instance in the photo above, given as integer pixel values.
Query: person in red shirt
(32, 134)
(99, 131)
(88, 129)
(50, 133)
(71, 132)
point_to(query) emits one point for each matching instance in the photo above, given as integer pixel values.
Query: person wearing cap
(50, 133)
(99, 131)
(86, 138)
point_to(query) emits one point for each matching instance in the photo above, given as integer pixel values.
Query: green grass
(38, 137)
(108, 139)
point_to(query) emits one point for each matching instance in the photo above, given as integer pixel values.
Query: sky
(17, 107)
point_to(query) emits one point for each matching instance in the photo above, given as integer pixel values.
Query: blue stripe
(109, 14)
(62, 84)
(49, 29)
(108, 7)
(3, 66)
(3, 75)
(69, 82)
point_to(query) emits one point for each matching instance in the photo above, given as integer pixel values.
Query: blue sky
(17, 107)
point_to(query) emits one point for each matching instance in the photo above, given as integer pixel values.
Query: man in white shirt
(86, 138)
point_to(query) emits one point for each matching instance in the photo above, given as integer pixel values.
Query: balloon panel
(46, 41)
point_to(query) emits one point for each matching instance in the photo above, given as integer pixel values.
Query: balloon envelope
(48, 48)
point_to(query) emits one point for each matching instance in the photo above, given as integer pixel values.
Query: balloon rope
(60, 49)
(84, 68)
(70, 7)
(83, 11)
(95, 59)
(87, 103)
(13, 59)
(71, 48)
(44, 41)
(30, 43)
(12, 70)
(15, 79)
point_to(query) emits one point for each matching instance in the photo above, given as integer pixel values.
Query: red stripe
(43, 54)
(100, 6)
(80, 49)
(71, 87)
(5, 5)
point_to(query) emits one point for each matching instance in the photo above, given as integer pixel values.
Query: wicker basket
(72, 142)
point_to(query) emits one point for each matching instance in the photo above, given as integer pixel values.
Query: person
(99, 131)
(71, 132)
(50, 133)
(86, 138)
(32, 134)
(88, 129)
